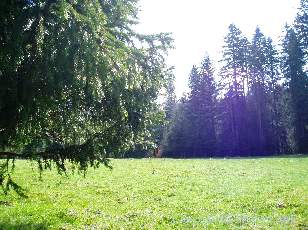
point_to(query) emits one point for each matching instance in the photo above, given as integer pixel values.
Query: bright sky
(199, 26)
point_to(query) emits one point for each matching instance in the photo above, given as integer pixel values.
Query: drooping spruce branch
(83, 156)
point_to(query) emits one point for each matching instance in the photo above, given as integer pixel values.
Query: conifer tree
(233, 71)
(298, 83)
(193, 127)
(278, 137)
(208, 93)
(258, 94)
(170, 111)
(178, 137)
(301, 25)
(77, 82)
(201, 103)
(234, 59)
(194, 112)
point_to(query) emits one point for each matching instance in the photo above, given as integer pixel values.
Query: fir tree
(258, 95)
(201, 103)
(298, 84)
(76, 81)
(301, 25)
(278, 137)
(233, 71)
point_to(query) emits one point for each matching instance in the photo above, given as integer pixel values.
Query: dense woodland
(255, 104)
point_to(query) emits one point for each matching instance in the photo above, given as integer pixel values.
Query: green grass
(260, 193)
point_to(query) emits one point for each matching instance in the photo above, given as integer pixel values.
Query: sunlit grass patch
(259, 193)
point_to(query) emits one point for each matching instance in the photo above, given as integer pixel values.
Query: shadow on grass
(23, 226)
(229, 157)
(273, 156)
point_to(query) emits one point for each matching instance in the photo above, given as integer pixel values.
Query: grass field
(260, 193)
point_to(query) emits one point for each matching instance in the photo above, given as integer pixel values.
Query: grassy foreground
(261, 193)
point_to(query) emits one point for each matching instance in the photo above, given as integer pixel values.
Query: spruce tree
(208, 93)
(234, 59)
(278, 137)
(258, 94)
(178, 137)
(170, 110)
(202, 100)
(194, 113)
(77, 82)
(298, 83)
(301, 25)
(193, 127)
(233, 77)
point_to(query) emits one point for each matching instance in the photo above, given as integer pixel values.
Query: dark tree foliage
(76, 82)
(259, 93)
(177, 138)
(234, 75)
(201, 105)
(235, 60)
(298, 85)
(301, 25)
(169, 108)
(192, 132)
(260, 109)
(207, 98)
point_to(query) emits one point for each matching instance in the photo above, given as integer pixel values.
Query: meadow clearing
(244, 193)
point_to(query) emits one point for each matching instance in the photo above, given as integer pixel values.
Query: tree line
(257, 105)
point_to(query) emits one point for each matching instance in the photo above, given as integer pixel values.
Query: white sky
(199, 26)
